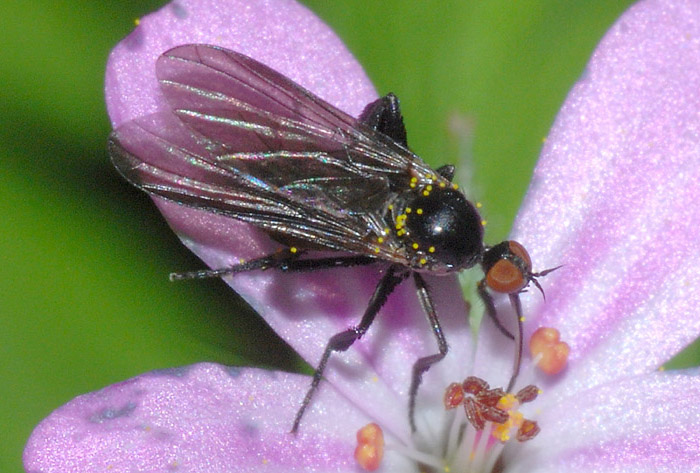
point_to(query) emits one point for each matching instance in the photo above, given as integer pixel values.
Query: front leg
(423, 364)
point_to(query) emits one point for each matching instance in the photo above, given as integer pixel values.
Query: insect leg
(274, 260)
(493, 315)
(300, 265)
(284, 261)
(491, 308)
(423, 364)
(394, 275)
(447, 171)
(517, 307)
(384, 116)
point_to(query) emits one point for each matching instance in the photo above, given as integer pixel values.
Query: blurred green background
(84, 295)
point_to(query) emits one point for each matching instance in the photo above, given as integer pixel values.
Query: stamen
(552, 352)
(528, 430)
(370, 447)
(495, 419)
(454, 395)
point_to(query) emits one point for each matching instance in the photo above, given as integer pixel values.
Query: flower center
(473, 442)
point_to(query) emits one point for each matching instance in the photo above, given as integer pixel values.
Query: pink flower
(614, 198)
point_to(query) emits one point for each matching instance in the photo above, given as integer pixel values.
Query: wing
(244, 141)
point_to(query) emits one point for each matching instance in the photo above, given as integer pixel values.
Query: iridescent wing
(242, 140)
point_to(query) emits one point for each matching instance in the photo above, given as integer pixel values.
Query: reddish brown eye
(519, 250)
(505, 277)
(510, 272)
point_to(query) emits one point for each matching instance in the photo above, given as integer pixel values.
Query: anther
(370, 447)
(552, 353)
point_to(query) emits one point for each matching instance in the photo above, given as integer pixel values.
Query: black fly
(246, 142)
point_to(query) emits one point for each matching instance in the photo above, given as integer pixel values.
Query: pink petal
(305, 309)
(203, 418)
(280, 33)
(614, 199)
(642, 424)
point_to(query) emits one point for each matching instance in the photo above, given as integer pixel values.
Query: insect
(242, 140)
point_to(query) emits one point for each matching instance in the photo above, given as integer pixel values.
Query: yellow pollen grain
(431, 249)
(443, 185)
(415, 246)
(419, 211)
(522, 318)
(483, 223)
(478, 205)
(409, 210)
(391, 207)
(137, 21)
(380, 240)
(426, 193)
(507, 401)
(455, 186)
(293, 249)
(412, 185)
(423, 261)
(376, 249)
(414, 179)
(428, 187)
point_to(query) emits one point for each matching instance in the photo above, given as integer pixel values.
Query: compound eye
(512, 271)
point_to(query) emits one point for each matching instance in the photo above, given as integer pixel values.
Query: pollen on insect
(376, 249)
(391, 207)
(484, 222)
(423, 261)
(419, 211)
(431, 249)
(455, 186)
(478, 205)
(415, 246)
(137, 21)
(293, 249)
(380, 240)
(443, 185)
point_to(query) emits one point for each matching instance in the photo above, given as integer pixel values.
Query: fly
(244, 141)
